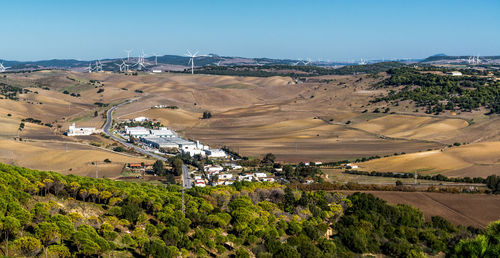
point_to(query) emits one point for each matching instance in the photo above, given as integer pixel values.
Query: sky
(339, 30)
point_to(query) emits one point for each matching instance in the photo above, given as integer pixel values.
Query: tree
(96, 113)
(65, 226)
(47, 233)
(9, 226)
(207, 115)
(28, 246)
(268, 158)
(242, 253)
(177, 166)
(158, 167)
(131, 212)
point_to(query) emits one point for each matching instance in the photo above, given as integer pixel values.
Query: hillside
(45, 212)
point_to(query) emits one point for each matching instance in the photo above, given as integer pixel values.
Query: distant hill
(445, 59)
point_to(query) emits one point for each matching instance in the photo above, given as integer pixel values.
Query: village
(153, 137)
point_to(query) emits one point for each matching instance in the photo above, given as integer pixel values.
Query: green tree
(9, 226)
(177, 166)
(28, 246)
(47, 233)
(268, 158)
(159, 167)
(131, 211)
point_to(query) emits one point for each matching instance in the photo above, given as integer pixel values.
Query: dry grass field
(77, 160)
(476, 159)
(310, 121)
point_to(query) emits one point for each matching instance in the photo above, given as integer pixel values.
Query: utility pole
(416, 176)
(96, 170)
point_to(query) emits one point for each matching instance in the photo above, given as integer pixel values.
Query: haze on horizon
(334, 30)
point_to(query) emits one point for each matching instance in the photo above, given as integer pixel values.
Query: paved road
(185, 177)
(109, 121)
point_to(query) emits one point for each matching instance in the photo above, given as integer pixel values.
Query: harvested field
(477, 159)
(53, 156)
(295, 121)
(413, 127)
(476, 210)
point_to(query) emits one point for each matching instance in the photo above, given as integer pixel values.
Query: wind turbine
(140, 61)
(218, 63)
(156, 58)
(191, 59)
(98, 66)
(89, 68)
(128, 54)
(308, 61)
(122, 66)
(362, 62)
(3, 68)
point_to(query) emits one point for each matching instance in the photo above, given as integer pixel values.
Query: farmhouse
(79, 131)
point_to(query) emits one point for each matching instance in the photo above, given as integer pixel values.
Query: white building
(213, 169)
(156, 71)
(137, 131)
(454, 73)
(267, 179)
(246, 177)
(140, 119)
(216, 153)
(259, 175)
(351, 166)
(225, 176)
(162, 132)
(79, 131)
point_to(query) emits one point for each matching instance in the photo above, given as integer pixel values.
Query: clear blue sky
(335, 29)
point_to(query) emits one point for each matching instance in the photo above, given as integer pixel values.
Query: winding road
(109, 121)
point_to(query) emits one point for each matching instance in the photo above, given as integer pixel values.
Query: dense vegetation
(45, 213)
(439, 93)
(296, 71)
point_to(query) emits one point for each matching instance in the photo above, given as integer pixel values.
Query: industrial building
(165, 142)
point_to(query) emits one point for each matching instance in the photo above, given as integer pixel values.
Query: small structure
(213, 169)
(79, 131)
(351, 166)
(140, 119)
(225, 176)
(260, 175)
(135, 165)
(200, 183)
(245, 177)
(454, 73)
(156, 71)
